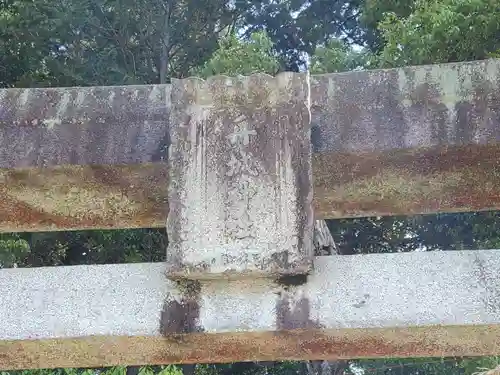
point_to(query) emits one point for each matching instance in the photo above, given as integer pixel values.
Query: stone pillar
(240, 193)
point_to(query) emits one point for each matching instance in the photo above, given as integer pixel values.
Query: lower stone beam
(381, 305)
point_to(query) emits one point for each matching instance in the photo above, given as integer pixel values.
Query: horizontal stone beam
(404, 182)
(387, 142)
(83, 197)
(381, 305)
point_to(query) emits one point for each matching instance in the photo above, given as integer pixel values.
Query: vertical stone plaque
(240, 192)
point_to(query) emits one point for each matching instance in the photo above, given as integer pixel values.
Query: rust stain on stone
(396, 182)
(403, 182)
(366, 127)
(78, 197)
(295, 344)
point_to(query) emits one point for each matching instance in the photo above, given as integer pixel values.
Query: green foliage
(115, 246)
(12, 249)
(337, 56)
(82, 247)
(412, 366)
(375, 235)
(251, 368)
(106, 42)
(373, 12)
(236, 56)
(474, 365)
(441, 31)
(296, 27)
(165, 370)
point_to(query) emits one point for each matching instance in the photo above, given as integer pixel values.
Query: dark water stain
(182, 316)
(296, 316)
(291, 280)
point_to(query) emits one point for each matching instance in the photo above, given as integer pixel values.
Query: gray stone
(240, 193)
(83, 125)
(410, 304)
(419, 106)
(357, 291)
(374, 110)
(385, 142)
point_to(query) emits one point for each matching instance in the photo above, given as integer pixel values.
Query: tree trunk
(165, 43)
(323, 240)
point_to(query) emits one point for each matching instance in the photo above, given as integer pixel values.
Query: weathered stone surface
(407, 141)
(443, 303)
(389, 142)
(422, 106)
(83, 197)
(407, 181)
(403, 182)
(83, 125)
(229, 347)
(80, 158)
(240, 192)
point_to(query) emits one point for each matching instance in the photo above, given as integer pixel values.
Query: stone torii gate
(251, 163)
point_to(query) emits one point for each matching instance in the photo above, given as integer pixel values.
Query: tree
(337, 56)
(234, 57)
(296, 27)
(434, 32)
(12, 249)
(108, 42)
(373, 12)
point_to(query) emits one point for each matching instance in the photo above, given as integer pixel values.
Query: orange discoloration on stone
(78, 197)
(404, 182)
(299, 344)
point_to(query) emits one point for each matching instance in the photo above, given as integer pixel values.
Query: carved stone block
(240, 193)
